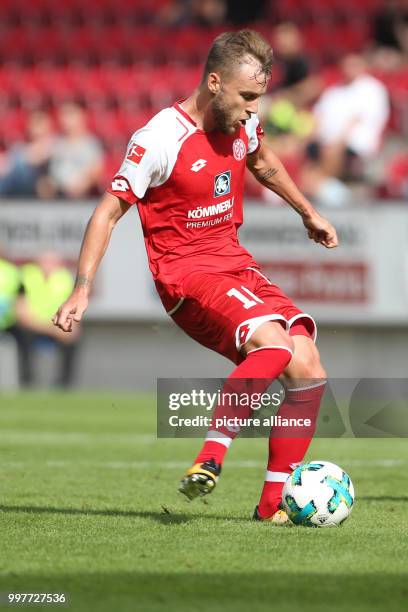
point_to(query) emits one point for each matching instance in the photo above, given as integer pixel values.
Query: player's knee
(269, 334)
(306, 365)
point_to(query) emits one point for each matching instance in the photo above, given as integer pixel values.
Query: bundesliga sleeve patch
(135, 153)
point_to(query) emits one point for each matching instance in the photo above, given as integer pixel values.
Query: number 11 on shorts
(247, 303)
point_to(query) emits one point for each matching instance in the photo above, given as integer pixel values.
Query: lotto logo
(239, 149)
(135, 153)
(198, 165)
(120, 185)
(243, 332)
(222, 184)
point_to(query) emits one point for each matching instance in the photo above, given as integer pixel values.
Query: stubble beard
(222, 117)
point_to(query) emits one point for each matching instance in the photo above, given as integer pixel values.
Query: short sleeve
(143, 167)
(255, 134)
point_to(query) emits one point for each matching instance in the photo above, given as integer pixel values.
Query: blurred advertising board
(364, 281)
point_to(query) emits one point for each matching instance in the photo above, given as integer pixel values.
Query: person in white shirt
(350, 117)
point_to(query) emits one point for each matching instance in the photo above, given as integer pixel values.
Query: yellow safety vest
(9, 285)
(45, 294)
(285, 116)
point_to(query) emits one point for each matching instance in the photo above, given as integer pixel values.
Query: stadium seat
(110, 55)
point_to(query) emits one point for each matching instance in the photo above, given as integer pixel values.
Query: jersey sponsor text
(208, 211)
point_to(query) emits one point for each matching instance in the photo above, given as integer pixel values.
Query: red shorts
(222, 310)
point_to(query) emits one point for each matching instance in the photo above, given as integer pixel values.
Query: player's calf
(304, 380)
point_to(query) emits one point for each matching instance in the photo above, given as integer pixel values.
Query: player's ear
(214, 82)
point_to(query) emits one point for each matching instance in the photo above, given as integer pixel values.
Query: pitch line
(60, 438)
(141, 465)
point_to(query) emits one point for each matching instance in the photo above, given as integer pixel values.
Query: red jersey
(188, 186)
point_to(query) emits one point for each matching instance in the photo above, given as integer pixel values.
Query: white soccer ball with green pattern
(318, 494)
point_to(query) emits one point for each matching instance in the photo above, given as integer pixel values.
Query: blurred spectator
(290, 54)
(76, 162)
(402, 34)
(390, 34)
(350, 119)
(282, 117)
(295, 81)
(388, 23)
(245, 12)
(44, 285)
(325, 191)
(26, 162)
(208, 13)
(9, 288)
(284, 114)
(203, 13)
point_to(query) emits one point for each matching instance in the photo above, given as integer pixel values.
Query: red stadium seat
(12, 128)
(108, 54)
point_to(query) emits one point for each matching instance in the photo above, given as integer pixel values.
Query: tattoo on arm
(268, 174)
(82, 281)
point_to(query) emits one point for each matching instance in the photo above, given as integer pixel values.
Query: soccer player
(184, 170)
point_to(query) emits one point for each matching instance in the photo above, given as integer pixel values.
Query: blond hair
(232, 49)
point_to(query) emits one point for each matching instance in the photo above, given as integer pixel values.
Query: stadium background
(87, 491)
(122, 62)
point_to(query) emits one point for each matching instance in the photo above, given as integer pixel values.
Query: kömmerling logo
(222, 184)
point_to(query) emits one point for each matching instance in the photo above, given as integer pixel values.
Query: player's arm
(270, 172)
(94, 244)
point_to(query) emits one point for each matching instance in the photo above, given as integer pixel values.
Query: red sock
(254, 374)
(286, 452)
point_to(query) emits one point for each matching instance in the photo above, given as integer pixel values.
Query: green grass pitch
(88, 506)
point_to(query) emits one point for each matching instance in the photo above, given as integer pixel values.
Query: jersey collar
(177, 106)
(179, 109)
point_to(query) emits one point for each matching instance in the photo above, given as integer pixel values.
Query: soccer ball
(318, 494)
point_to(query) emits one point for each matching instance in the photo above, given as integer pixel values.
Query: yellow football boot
(278, 518)
(200, 479)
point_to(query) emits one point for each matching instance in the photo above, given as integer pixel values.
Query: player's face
(237, 97)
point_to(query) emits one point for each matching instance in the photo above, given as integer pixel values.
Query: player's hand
(71, 310)
(321, 231)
